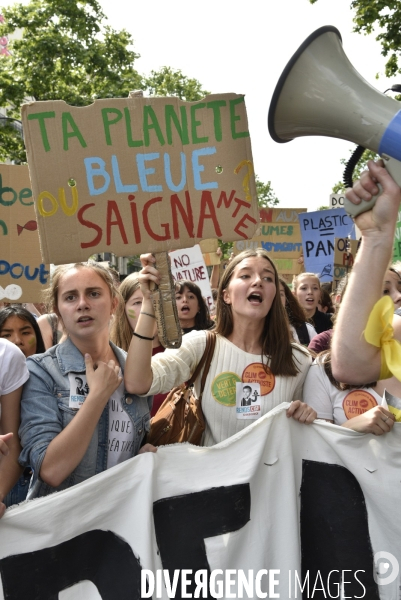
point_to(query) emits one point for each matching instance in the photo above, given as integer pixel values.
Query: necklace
(108, 356)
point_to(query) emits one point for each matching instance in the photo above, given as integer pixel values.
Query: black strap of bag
(303, 334)
(205, 362)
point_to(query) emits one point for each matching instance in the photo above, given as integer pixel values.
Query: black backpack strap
(303, 334)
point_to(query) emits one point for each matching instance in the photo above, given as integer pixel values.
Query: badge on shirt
(358, 402)
(79, 389)
(259, 373)
(248, 404)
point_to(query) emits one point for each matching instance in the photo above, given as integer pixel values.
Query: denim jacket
(45, 412)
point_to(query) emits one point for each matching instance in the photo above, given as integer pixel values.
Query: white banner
(276, 508)
(189, 264)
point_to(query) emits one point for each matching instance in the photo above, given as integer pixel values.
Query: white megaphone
(320, 93)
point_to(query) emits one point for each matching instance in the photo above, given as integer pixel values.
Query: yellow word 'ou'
(68, 210)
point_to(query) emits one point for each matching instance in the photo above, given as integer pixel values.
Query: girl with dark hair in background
(19, 326)
(193, 312)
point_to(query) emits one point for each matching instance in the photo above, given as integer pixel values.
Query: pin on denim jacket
(45, 412)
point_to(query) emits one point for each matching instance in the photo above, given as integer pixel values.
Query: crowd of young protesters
(79, 384)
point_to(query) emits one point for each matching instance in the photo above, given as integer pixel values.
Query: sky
(243, 47)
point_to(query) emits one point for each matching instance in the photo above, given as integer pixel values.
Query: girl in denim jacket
(76, 418)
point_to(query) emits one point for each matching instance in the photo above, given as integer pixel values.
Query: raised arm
(353, 359)
(138, 373)
(215, 274)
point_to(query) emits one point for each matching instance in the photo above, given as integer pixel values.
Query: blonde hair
(120, 331)
(276, 344)
(50, 295)
(297, 278)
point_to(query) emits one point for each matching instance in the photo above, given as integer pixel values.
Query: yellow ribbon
(379, 332)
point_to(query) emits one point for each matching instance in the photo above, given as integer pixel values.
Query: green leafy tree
(68, 52)
(384, 18)
(266, 195)
(168, 82)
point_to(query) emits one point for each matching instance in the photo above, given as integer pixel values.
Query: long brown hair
(276, 344)
(120, 331)
(294, 310)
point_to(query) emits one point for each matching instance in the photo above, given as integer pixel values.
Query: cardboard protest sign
(344, 257)
(337, 200)
(315, 505)
(23, 275)
(211, 259)
(280, 234)
(189, 264)
(288, 266)
(209, 248)
(132, 175)
(319, 229)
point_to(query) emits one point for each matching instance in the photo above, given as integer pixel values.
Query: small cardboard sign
(23, 275)
(280, 234)
(208, 246)
(209, 251)
(211, 259)
(319, 230)
(188, 263)
(344, 257)
(337, 200)
(132, 175)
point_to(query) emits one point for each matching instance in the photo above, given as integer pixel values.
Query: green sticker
(223, 388)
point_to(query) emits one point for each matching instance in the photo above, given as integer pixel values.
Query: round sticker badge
(358, 402)
(224, 389)
(258, 373)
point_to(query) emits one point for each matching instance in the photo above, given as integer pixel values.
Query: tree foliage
(68, 52)
(384, 18)
(168, 82)
(339, 187)
(266, 195)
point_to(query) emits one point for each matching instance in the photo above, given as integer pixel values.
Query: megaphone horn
(320, 93)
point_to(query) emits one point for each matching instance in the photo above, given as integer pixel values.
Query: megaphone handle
(393, 166)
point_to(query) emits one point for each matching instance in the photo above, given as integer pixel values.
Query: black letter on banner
(98, 556)
(183, 522)
(334, 530)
